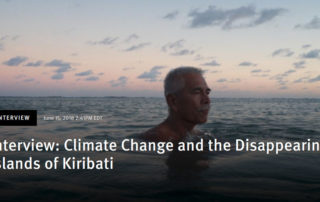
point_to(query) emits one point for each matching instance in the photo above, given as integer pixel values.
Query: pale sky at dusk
(258, 48)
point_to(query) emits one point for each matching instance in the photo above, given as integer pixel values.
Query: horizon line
(155, 97)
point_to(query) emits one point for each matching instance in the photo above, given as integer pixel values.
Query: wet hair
(174, 80)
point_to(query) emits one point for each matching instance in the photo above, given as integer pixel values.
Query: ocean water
(145, 176)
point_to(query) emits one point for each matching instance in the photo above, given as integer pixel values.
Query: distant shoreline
(241, 98)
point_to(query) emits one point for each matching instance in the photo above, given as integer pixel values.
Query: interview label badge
(18, 117)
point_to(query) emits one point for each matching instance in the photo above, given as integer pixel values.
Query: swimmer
(187, 97)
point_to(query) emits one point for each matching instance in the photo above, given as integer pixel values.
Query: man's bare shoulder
(160, 133)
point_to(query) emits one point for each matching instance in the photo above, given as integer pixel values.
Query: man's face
(193, 102)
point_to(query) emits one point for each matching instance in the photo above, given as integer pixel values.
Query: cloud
(222, 80)
(218, 17)
(92, 78)
(198, 57)
(283, 87)
(235, 80)
(85, 73)
(5, 38)
(259, 72)
(306, 46)
(28, 80)
(131, 38)
(313, 24)
(312, 54)
(183, 52)
(267, 15)
(248, 64)
(34, 64)
(127, 68)
(299, 65)
(282, 82)
(177, 48)
(256, 71)
(57, 76)
(261, 75)
(20, 76)
(13, 38)
(315, 79)
(62, 66)
(303, 79)
(229, 18)
(288, 72)
(120, 82)
(174, 45)
(106, 41)
(285, 52)
(280, 77)
(152, 75)
(212, 63)
(137, 47)
(172, 15)
(16, 61)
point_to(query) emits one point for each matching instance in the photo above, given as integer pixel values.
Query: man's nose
(205, 98)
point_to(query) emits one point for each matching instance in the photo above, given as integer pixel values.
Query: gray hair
(174, 80)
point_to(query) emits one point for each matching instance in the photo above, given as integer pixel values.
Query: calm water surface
(145, 176)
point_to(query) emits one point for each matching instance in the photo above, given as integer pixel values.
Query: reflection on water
(176, 175)
(189, 164)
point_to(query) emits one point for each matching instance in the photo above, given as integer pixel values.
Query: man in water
(187, 96)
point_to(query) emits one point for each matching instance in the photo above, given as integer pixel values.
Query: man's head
(187, 94)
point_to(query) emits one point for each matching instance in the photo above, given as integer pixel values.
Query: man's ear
(172, 102)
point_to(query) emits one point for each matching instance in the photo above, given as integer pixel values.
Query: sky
(256, 48)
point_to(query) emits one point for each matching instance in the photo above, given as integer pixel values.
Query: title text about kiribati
(76, 154)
